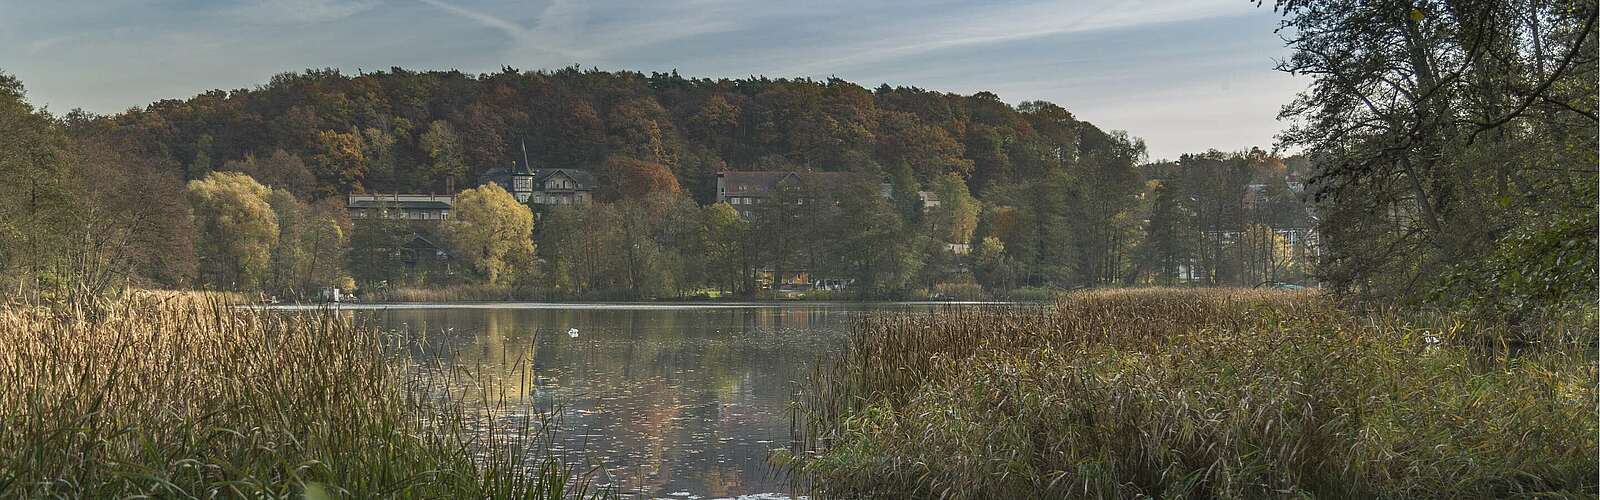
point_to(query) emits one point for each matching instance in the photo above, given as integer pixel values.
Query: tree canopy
(1443, 133)
(493, 232)
(236, 229)
(409, 131)
(1038, 197)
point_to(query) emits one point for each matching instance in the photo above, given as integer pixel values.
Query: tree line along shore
(915, 193)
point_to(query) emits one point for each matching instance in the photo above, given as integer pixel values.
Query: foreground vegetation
(1218, 393)
(185, 396)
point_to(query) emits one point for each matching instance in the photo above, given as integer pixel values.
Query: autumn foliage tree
(630, 178)
(401, 130)
(493, 233)
(235, 228)
(341, 162)
(1062, 200)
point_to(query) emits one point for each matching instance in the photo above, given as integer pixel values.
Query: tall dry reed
(1194, 393)
(180, 396)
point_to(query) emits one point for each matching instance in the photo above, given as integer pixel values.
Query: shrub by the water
(183, 397)
(1200, 393)
(453, 293)
(959, 291)
(1033, 294)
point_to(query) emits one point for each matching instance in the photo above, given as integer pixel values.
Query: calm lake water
(675, 401)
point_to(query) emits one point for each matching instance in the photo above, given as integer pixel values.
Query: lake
(677, 401)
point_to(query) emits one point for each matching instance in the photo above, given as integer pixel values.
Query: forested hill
(322, 133)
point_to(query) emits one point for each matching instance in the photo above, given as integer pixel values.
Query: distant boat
(572, 332)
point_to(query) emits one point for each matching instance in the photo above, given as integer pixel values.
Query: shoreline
(628, 305)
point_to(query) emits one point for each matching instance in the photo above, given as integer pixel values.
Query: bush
(1034, 294)
(457, 293)
(1546, 267)
(959, 291)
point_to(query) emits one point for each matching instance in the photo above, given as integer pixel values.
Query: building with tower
(542, 187)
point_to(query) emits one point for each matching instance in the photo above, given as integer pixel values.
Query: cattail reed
(1197, 393)
(192, 396)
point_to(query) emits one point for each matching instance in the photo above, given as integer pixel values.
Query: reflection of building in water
(780, 318)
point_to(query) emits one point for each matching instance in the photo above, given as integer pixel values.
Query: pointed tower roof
(523, 167)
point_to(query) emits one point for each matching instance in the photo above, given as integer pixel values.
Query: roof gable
(582, 178)
(753, 183)
(557, 173)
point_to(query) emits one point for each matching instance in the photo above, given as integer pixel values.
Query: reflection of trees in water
(660, 394)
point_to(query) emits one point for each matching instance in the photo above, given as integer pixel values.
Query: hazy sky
(1186, 75)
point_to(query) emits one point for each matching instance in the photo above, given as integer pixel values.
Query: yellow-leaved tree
(956, 217)
(492, 232)
(235, 229)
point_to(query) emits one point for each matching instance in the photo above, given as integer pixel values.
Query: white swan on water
(572, 332)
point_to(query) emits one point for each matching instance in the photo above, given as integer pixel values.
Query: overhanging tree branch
(1561, 70)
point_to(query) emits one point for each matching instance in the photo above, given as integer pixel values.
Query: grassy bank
(180, 396)
(1226, 394)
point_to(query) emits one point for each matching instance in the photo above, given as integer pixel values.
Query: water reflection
(668, 400)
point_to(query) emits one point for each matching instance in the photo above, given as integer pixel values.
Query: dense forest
(1042, 199)
(416, 131)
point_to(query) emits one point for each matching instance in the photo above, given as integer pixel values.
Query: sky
(1185, 75)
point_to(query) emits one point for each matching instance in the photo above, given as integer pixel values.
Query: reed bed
(452, 293)
(1196, 393)
(162, 395)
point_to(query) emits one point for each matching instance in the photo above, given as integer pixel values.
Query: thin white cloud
(934, 33)
(666, 25)
(301, 11)
(543, 43)
(511, 29)
(38, 46)
(562, 32)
